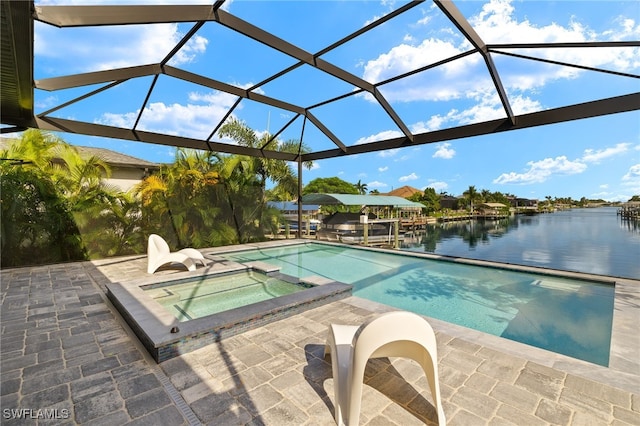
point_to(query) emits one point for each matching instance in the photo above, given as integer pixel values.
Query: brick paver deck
(66, 352)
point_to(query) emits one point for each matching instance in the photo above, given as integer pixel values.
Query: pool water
(567, 316)
(190, 299)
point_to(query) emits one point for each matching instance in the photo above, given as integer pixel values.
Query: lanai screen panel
(237, 60)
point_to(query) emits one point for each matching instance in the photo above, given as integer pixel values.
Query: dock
(414, 223)
(454, 218)
(629, 211)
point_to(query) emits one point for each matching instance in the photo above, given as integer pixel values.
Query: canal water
(594, 240)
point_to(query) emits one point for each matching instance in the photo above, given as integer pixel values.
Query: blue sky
(595, 158)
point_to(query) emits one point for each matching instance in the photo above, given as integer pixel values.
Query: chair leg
(431, 373)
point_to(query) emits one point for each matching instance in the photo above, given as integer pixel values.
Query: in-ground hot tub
(178, 315)
(193, 298)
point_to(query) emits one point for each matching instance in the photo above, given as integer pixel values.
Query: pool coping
(624, 360)
(165, 337)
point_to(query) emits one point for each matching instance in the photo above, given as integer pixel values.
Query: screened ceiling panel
(294, 86)
(282, 72)
(212, 45)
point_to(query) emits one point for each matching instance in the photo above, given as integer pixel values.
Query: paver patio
(66, 349)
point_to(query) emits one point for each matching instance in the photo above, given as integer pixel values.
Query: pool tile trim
(165, 337)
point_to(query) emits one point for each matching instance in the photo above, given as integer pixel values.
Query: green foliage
(182, 202)
(244, 180)
(429, 198)
(361, 187)
(55, 203)
(57, 207)
(471, 195)
(37, 224)
(332, 185)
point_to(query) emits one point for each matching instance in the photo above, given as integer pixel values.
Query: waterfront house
(125, 170)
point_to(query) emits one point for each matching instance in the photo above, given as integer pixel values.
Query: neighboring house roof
(116, 158)
(404, 191)
(112, 158)
(359, 200)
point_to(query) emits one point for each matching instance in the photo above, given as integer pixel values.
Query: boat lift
(364, 219)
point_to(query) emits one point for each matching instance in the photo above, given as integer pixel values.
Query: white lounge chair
(394, 334)
(158, 254)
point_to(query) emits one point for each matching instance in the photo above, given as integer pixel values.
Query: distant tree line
(55, 205)
(434, 202)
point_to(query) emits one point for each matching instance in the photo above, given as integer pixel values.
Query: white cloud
(383, 169)
(192, 120)
(377, 184)
(434, 123)
(314, 166)
(425, 20)
(540, 171)
(384, 135)
(407, 178)
(497, 22)
(633, 175)
(388, 153)
(406, 57)
(437, 185)
(443, 151)
(488, 107)
(102, 48)
(595, 156)
(47, 102)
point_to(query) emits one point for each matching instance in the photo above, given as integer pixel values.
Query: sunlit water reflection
(593, 241)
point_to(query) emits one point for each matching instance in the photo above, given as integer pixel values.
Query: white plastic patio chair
(393, 334)
(158, 254)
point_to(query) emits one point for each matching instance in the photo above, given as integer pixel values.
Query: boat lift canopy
(360, 200)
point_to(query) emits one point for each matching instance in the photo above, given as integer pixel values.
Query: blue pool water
(188, 299)
(566, 316)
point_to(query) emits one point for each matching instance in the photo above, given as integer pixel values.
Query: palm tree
(183, 197)
(276, 171)
(471, 194)
(37, 222)
(116, 230)
(361, 187)
(485, 196)
(80, 179)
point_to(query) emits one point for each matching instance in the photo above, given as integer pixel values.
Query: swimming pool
(191, 299)
(176, 314)
(567, 316)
